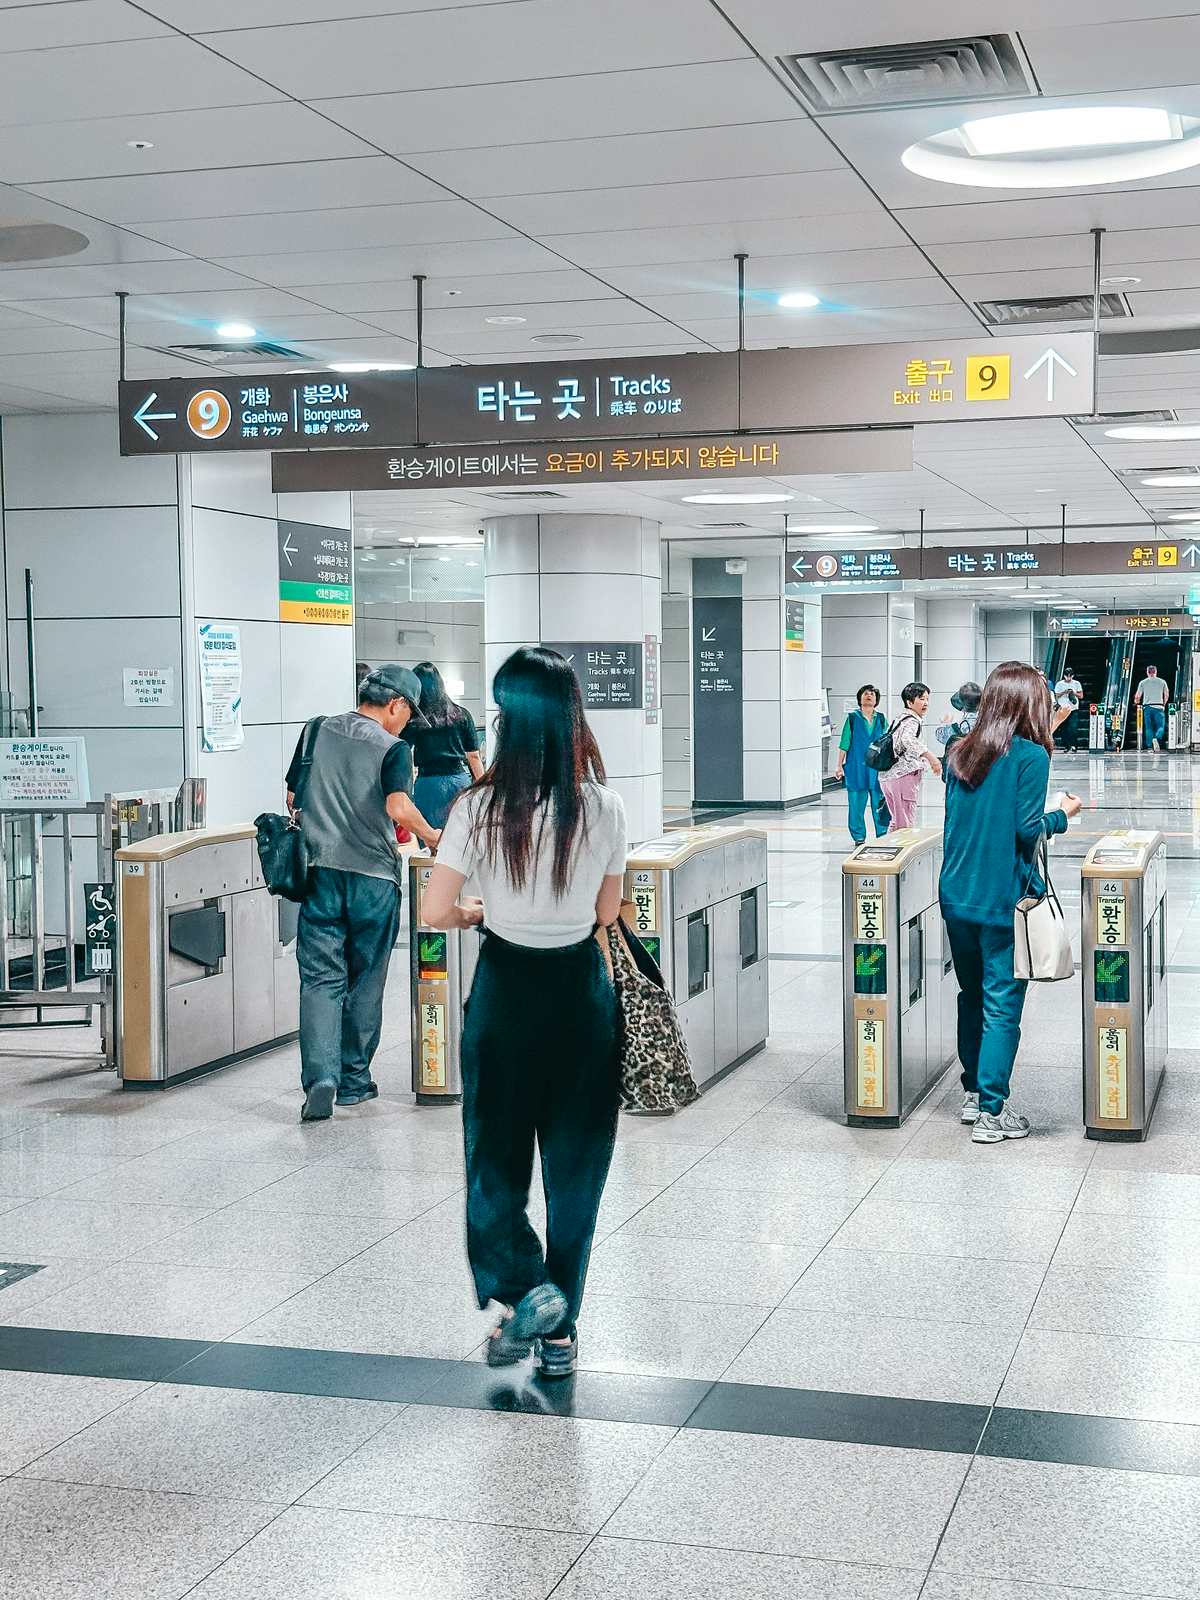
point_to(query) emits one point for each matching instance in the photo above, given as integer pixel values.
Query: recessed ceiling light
(372, 366)
(556, 338)
(1068, 147)
(1173, 480)
(140, 144)
(1183, 516)
(832, 527)
(1147, 432)
(236, 330)
(798, 300)
(1119, 283)
(1068, 128)
(451, 294)
(734, 499)
(505, 322)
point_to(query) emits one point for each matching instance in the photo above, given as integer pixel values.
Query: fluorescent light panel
(1070, 128)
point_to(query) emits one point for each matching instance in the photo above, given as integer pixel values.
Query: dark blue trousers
(348, 926)
(540, 1062)
(1154, 725)
(990, 1002)
(856, 812)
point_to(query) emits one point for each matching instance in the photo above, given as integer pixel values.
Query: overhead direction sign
(1098, 558)
(643, 397)
(715, 457)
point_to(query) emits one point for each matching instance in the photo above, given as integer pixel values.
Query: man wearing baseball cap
(353, 791)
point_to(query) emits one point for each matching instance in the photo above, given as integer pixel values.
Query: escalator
(1118, 690)
(1183, 693)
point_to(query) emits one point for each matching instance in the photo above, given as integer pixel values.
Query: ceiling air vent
(1106, 419)
(1136, 475)
(525, 494)
(264, 350)
(1050, 308)
(727, 524)
(938, 72)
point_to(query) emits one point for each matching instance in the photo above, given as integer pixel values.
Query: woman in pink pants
(902, 782)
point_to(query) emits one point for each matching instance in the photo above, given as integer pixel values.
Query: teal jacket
(992, 835)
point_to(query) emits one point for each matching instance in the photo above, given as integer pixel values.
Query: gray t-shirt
(344, 815)
(1153, 691)
(534, 915)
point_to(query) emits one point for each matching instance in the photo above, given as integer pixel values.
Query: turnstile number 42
(1124, 959)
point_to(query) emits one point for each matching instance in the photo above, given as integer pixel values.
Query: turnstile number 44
(1124, 958)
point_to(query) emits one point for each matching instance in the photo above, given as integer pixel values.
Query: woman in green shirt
(862, 782)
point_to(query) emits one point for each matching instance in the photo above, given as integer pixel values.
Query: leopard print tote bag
(656, 1071)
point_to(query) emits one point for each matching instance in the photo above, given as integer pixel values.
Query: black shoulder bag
(282, 853)
(881, 753)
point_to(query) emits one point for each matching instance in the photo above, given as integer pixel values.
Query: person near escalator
(1153, 696)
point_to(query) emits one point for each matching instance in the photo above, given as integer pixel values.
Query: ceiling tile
(139, 277)
(182, 140)
(448, 319)
(74, 22)
(773, 272)
(141, 75)
(357, 227)
(500, 290)
(483, 45)
(672, 205)
(1125, 54)
(269, 13)
(49, 338)
(707, 241)
(244, 191)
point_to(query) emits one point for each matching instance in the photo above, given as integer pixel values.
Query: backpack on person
(881, 753)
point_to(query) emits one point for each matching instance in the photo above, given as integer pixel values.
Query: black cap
(966, 697)
(401, 684)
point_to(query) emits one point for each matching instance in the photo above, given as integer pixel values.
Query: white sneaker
(970, 1109)
(994, 1130)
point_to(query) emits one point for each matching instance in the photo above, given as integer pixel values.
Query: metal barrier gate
(1123, 951)
(701, 909)
(898, 985)
(207, 972)
(700, 898)
(58, 933)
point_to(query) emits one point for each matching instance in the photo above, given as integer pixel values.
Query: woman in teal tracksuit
(862, 781)
(995, 817)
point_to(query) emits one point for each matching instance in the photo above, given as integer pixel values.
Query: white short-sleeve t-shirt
(534, 915)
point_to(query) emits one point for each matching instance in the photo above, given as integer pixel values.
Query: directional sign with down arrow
(316, 575)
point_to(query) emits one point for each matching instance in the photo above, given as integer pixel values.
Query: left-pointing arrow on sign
(289, 549)
(143, 416)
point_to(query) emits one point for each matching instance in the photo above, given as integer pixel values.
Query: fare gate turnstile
(207, 972)
(441, 967)
(1124, 958)
(898, 985)
(700, 898)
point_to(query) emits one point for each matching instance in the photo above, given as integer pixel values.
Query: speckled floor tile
(1102, 1375)
(1118, 1193)
(232, 1442)
(709, 1489)
(994, 1294)
(1082, 1527)
(242, 1237)
(88, 1230)
(762, 1217)
(514, 1470)
(967, 1182)
(170, 1179)
(940, 1586)
(621, 1569)
(697, 1269)
(906, 1358)
(390, 1315)
(798, 1175)
(64, 1539)
(1136, 1303)
(1016, 1234)
(1166, 1243)
(41, 1409)
(164, 1302)
(357, 1192)
(363, 1556)
(663, 1338)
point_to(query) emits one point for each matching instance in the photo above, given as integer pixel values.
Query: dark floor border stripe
(765, 1410)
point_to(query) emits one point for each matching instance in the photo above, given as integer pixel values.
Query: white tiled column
(1008, 636)
(951, 649)
(678, 788)
(582, 578)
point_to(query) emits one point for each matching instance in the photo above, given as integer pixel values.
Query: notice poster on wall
(220, 687)
(148, 686)
(40, 771)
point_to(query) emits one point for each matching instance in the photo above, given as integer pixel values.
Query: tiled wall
(1009, 636)
(448, 633)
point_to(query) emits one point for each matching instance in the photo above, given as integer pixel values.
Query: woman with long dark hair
(544, 841)
(445, 749)
(995, 819)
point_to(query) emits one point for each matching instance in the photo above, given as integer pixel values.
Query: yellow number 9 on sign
(209, 414)
(989, 377)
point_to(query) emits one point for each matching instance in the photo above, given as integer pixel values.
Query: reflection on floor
(819, 1361)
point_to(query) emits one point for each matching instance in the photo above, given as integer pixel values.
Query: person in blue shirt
(862, 781)
(995, 818)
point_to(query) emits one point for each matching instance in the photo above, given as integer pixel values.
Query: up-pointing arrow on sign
(1050, 360)
(289, 549)
(1191, 555)
(143, 416)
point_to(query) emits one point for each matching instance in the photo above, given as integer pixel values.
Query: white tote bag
(1041, 938)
